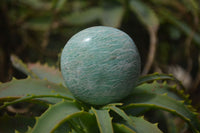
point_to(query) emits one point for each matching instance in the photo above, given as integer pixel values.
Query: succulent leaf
(143, 126)
(121, 128)
(33, 88)
(157, 76)
(85, 122)
(160, 88)
(122, 114)
(104, 120)
(46, 72)
(56, 115)
(37, 70)
(21, 66)
(142, 98)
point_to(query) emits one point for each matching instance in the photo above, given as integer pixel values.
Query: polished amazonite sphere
(100, 65)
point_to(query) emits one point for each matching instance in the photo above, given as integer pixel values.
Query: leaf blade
(55, 115)
(33, 87)
(104, 120)
(142, 98)
(143, 126)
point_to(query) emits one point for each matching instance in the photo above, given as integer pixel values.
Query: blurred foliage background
(166, 32)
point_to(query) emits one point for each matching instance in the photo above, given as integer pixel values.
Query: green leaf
(122, 114)
(104, 120)
(55, 116)
(45, 72)
(142, 98)
(145, 14)
(121, 128)
(162, 88)
(112, 15)
(8, 124)
(83, 17)
(19, 64)
(157, 76)
(32, 88)
(37, 70)
(85, 122)
(143, 126)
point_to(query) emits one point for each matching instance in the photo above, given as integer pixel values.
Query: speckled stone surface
(100, 65)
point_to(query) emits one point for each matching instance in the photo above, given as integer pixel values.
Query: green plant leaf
(122, 114)
(85, 122)
(8, 124)
(143, 126)
(19, 64)
(163, 88)
(104, 120)
(55, 116)
(112, 15)
(29, 88)
(142, 98)
(83, 17)
(121, 128)
(37, 70)
(157, 76)
(145, 14)
(45, 72)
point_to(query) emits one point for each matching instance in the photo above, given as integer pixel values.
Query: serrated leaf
(142, 98)
(83, 17)
(159, 88)
(55, 116)
(19, 64)
(45, 72)
(85, 122)
(122, 114)
(37, 70)
(157, 76)
(143, 126)
(121, 128)
(145, 14)
(33, 87)
(104, 120)
(164, 88)
(8, 124)
(112, 15)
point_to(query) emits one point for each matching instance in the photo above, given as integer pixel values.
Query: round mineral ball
(100, 65)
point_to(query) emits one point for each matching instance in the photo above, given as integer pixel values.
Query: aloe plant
(54, 108)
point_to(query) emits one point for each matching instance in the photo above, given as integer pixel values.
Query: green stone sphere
(100, 65)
